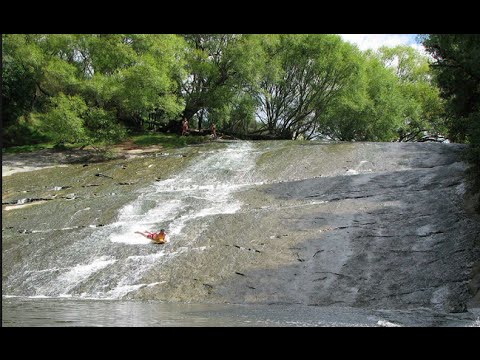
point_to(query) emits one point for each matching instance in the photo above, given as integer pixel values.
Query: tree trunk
(200, 119)
(191, 109)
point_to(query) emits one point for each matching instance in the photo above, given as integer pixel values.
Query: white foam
(16, 168)
(205, 189)
(151, 257)
(130, 238)
(122, 290)
(80, 273)
(132, 218)
(476, 323)
(385, 323)
(66, 296)
(200, 248)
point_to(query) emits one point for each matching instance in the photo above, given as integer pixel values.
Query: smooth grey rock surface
(374, 225)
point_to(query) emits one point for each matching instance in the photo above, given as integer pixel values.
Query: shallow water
(41, 312)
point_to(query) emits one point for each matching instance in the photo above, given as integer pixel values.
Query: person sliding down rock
(158, 238)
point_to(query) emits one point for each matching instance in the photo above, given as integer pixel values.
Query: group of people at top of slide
(185, 128)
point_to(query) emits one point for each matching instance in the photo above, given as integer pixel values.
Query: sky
(374, 41)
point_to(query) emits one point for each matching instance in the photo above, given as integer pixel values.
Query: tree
(456, 62)
(221, 68)
(423, 109)
(134, 75)
(64, 120)
(369, 108)
(121, 78)
(304, 74)
(210, 70)
(23, 88)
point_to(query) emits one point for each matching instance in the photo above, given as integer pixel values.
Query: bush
(102, 126)
(63, 123)
(22, 133)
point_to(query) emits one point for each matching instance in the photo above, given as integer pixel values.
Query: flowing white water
(206, 188)
(110, 262)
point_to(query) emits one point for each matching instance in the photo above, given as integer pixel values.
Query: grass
(27, 148)
(37, 147)
(146, 139)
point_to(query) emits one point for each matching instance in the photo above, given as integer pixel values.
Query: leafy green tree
(423, 108)
(209, 69)
(236, 116)
(368, 108)
(18, 88)
(220, 67)
(32, 74)
(133, 75)
(120, 77)
(102, 126)
(22, 61)
(456, 62)
(304, 74)
(63, 122)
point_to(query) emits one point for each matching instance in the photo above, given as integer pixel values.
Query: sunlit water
(203, 189)
(111, 262)
(66, 312)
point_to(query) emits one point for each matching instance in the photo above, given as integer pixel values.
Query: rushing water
(201, 190)
(65, 312)
(110, 262)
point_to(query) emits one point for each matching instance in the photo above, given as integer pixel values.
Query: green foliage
(125, 75)
(423, 109)
(89, 88)
(149, 83)
(242, 116)
(457, 68)
(18, 78)
(368, 108)
(391, 98)
(23, 132)
(218, 67)
(305, 75)
(63, 122)
(102, 127)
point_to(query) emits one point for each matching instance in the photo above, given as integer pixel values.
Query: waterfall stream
(110, 262)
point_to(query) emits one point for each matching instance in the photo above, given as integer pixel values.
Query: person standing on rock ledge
(184, 126)
(213, 128)
(158, 238)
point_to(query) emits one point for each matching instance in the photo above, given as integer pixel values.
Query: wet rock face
(407, 239)
(377, 225)
(390, 233)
